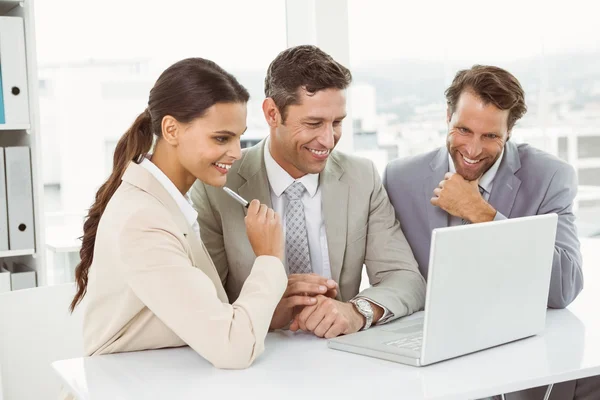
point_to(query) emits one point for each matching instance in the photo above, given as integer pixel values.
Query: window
(96, 71)
(588, 147)
(403, 57)
(100, 60)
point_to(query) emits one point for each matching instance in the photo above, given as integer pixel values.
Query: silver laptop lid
(488, 284)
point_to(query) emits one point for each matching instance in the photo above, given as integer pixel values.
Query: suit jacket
(152, 283)
(528, 182)
(359, 221)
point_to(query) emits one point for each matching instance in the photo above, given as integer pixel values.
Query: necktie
(481, 192)
(296, 239)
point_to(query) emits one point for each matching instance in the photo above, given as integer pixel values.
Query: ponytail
(183, 91)
(132, 146)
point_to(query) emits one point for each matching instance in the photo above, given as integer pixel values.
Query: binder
(13, 74)
(3, 208)
(21, 276)
(19, 198)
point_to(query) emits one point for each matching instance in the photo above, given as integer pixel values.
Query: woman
(148, 280)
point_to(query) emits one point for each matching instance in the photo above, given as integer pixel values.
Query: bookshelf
(27, 134)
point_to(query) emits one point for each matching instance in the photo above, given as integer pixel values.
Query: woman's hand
(264, 230)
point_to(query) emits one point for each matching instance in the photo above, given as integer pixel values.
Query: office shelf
(27, 133)
(16, 253)
(7, 5)
(14, 127)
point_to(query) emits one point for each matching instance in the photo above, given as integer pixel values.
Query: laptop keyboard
(410, 342)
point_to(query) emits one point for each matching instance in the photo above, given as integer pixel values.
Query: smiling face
(208, 146)
(303, 142)
(477, 133)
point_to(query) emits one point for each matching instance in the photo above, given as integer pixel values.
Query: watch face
(363, 305)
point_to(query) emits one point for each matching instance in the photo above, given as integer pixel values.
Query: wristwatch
(364, 307)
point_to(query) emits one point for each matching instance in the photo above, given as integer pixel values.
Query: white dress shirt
(182, 201)
(279, 180)
(486, 182)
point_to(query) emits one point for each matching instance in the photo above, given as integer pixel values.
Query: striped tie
(296, 238)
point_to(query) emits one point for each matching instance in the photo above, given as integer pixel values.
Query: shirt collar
(487, 180)
(182, 201)
(280, 180)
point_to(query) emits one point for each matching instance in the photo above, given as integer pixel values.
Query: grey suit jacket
(359, 221)
(528, 182)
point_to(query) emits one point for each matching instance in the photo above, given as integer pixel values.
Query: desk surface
(297, 366)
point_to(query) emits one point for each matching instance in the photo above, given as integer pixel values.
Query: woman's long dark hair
(184, 91)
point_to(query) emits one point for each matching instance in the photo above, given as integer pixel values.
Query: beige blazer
(360, 223)
(152, 284)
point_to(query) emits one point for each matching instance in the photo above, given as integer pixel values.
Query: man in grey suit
(480, 175)
(336, 214)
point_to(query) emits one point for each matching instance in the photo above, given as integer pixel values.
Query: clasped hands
(309, 304)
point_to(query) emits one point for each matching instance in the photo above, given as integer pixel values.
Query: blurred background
(98, 60)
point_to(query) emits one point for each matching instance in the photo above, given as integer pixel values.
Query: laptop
(488, 285)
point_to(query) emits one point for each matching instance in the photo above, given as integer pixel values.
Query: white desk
(569, 349)
(301, 366)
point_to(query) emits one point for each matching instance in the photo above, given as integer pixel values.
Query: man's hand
(329, 318)
(462, 199)
(301, 292)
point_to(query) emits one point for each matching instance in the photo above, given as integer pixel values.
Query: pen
(236, 197)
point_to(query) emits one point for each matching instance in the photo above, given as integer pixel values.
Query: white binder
(3, 209)
(13, 78)
(21, 277)
(19, 196)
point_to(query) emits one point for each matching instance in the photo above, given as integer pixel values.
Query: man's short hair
(303, 67)
(494, 86)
